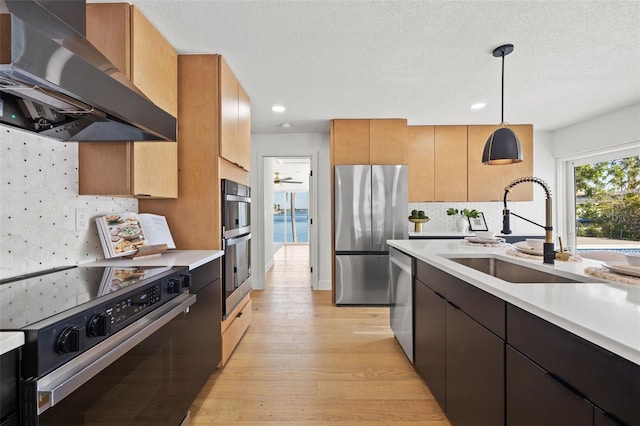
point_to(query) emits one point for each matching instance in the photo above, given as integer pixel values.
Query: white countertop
(9, 340)
(458, 234)
(190, 258)
(605, 313)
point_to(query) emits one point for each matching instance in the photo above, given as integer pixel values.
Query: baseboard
(324, 284)
(268, 265)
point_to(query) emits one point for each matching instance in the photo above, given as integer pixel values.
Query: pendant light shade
(503, 145)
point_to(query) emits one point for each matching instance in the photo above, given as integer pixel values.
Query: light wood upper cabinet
(487, 183)
(381, 141)
(450, 170)
(141, 169)
(194, 217)
(420, 158)
(350, 141)
(244, 128)
(387, 141)
(235, 125)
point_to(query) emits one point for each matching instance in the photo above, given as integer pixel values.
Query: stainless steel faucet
(549, 254)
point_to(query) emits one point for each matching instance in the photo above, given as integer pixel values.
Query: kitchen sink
(512, 272)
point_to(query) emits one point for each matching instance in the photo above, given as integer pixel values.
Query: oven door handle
(238, 240)
(58, 384)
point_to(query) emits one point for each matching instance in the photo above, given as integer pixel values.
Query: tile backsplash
(39, 194)
(439, 221)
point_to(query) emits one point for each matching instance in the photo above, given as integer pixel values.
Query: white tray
(623, 268)
(523, 247)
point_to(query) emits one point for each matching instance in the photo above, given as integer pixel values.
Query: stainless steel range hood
(53, 82)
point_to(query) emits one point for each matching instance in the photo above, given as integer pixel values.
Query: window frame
(566, 209)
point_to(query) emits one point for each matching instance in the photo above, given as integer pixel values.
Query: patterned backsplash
(439, 221)
(39, 192)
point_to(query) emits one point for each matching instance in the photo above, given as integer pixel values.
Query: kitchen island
(552, 353)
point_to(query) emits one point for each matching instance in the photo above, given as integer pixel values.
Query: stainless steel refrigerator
(371, 205)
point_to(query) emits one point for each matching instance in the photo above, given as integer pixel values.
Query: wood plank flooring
(304, 361)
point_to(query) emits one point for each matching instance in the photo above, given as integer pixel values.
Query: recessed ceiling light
(285, 126)
(479, 105)
(278, 108)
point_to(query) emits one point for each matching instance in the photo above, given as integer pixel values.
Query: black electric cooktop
(29, 299)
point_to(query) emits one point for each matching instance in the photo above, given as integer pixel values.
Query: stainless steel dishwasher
(401, 299)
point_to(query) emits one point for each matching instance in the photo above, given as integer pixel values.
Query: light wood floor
(304, 361)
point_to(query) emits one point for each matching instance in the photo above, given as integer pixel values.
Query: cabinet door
(486, 183)
(606, 379)
(450, 152)
(155, 72)
(420, 158)
(387, 141)
(147, 169)
(244, 129)
(228, 113)
(429, 340)
(154, 64)
(536, 398)
(350, 141)
(474, 371)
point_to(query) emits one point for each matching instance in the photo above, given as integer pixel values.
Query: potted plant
(418, 217)
(462, 223)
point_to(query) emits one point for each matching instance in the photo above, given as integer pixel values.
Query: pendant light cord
(502, 102)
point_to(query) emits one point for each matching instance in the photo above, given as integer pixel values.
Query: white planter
(462, 224)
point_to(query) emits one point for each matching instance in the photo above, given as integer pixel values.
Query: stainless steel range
(88, 331)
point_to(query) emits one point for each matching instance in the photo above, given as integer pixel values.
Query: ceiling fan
(278, 180)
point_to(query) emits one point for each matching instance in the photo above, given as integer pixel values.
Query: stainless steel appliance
(236, 243)
(103, 345)
(370, 206)
(55, 83)
(401, 299)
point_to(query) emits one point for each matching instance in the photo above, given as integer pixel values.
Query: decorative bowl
(633, 258)
(485, 235)
(535, 243)
(418, 223)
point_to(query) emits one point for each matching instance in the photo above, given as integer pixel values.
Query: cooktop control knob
(98, 325)
(68, 340)
(175, 285)
(185, 280)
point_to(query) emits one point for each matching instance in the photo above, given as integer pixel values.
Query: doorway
(289, 209)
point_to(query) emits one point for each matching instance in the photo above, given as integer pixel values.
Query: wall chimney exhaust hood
(55, 83)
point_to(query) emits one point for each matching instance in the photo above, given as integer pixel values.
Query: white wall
(39, 191)
(614, 134)
(615, 128)
(290, 145)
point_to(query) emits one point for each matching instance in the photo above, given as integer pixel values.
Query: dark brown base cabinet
(429, 342)
(604, 379)
(536, 398)
(460, 359)
(474, 371)
(488, 362)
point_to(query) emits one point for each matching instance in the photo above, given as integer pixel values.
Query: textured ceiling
(426, 61)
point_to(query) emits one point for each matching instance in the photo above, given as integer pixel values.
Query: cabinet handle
(239, 314)
(566, 385)
(452, 304)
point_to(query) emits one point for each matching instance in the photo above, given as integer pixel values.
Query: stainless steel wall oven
(108, 346)
(236, 243)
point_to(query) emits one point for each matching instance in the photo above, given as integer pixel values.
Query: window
(291, 217)
(604, 212)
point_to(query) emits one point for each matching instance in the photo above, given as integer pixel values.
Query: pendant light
(503, 146)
